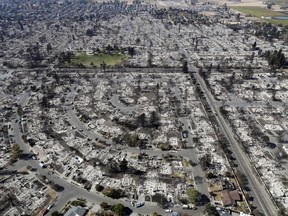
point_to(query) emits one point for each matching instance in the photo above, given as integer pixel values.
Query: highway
(258, 188)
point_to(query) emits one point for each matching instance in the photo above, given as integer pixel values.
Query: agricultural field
(96, 60)
(262, 13)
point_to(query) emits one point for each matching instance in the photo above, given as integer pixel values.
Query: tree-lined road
(265, 201)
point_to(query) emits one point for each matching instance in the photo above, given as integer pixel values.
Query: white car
(42, 164)
(168, 210)
(49, 207)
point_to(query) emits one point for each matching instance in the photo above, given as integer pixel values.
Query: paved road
(266, 204)
(74, 120)
(72, 191)
(198, 174)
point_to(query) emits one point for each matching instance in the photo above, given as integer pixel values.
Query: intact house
(230, 197)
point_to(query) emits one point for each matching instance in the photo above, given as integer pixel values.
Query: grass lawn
(96, 60)
(189, 181)
(214, 187)
(218, 196)
(178, 174)
(261, 12)
(242, 207)
(185, 163)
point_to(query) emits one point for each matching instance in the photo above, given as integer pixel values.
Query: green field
(281, 2)
(96, 60)
(261, 12)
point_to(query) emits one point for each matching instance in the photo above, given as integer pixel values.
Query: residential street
(72, 191)
(259, 190)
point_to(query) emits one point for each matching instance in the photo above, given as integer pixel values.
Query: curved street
(72, 191)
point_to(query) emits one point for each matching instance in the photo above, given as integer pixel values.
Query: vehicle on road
(42, 165)
(138, 205)
(185, 134)
(49, 206)
(168, 210)
(185, 206)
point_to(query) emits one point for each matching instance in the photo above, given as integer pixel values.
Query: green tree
(254, 45)
(49, 47)
(237, 16)
(164, 147)
(123, 165)
(99, 187)
(118, 209)
(242, 179)
(89, 32)
(56, 213)
(160, 199)
(276, 59)
(142, 120)
(194, 196)
(16, 152)
(113, 193)
(218, 68)
(281, 211)
(205, 161)
(211, 210)
(249, 73)
(104, 205)
(185, 67)
(210, 175)
(155, 120)
(57, 187)
(103, 66)
(20, 110)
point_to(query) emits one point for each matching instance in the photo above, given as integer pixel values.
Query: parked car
(42, 165)
(138, 205)
(185, 134)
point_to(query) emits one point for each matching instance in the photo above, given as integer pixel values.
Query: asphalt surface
(74, 120)
(265, 201)
(72, 191)
(198, 174)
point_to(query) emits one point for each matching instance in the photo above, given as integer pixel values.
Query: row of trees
(117, 209)
(276, 59)
(110, 192)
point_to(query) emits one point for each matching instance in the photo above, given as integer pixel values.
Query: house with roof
(230, 197)
(76, 211)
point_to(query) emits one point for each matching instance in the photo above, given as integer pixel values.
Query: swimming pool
(280, 17)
